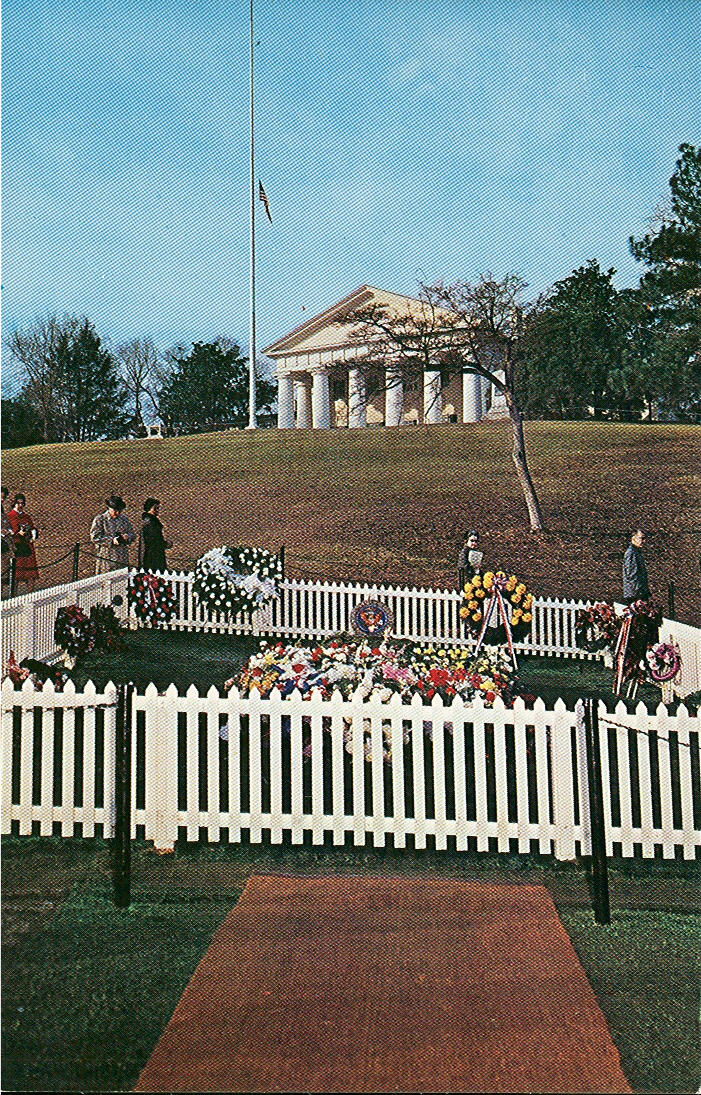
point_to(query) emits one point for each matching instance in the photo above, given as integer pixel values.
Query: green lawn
(87, 988)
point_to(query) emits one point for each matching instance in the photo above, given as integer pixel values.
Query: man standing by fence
(635, 583)
(112, 532)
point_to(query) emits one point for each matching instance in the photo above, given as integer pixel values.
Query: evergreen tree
(573, 341)
(665, 343)
(207, 388)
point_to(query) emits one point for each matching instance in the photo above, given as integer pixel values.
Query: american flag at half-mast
(264, 198)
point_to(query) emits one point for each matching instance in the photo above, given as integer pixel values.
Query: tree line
(74, 387)
(582, 349)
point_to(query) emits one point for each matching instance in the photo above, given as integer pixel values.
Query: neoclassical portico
(320, 386)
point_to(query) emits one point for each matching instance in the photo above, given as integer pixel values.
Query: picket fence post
(563, 783)
(161, 738)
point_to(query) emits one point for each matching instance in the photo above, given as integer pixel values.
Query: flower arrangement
(74, 632)
(38, 671)
(355, 665)
(78, 633)
(477, 594)
(153, 598)
(236, 580)
(351, 665)
(15, 672)
(455, 671)
(663, 662)
(596, 628)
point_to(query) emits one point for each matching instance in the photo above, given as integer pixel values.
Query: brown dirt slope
(387, 985)
(390, 505)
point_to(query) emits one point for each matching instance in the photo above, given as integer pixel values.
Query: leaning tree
(460, 328)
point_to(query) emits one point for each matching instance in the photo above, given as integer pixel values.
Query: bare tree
(486, 316)
(460, 328)
(401, 345)
(40, 350)
(141, 371)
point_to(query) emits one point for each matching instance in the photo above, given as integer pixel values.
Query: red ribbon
(621, 651)
(497, 599)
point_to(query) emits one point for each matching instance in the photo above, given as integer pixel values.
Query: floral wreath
(663, 662)
(478, 597)
(235, 580)
(596, 628)
(152, 598)
(78, 633)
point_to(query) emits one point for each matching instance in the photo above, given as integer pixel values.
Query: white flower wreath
(236, 580)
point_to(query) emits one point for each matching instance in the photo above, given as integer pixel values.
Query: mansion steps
(321, 385)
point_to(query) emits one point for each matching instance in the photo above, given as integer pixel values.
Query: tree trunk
(535, 515)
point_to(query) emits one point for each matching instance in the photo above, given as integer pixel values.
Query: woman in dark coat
(155, 544)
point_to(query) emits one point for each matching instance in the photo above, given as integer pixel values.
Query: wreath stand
(496, 601)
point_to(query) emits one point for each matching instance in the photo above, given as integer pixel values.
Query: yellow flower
(472, 605)
(477, 581)
(510, 585)
(516, 616)
(527, 601)
(488, 577)
(515, 598)
(480, 593)
(464, 612)
(527, 617)
(520, 588)
(477, 616)
(467, 588)
(500, 574)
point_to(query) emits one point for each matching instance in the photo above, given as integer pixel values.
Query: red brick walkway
(345, 985)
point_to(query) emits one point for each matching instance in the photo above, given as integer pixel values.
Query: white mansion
(320, 386)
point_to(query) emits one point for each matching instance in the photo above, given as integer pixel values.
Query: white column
(472, 398)
(394, 397)
(303, 389)
(285, 402)
(321, 401)
(499, 399)
(357, 401)
(433, 397)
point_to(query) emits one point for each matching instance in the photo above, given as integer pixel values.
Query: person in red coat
(25, 533)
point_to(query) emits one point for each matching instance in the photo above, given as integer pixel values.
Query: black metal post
(76, 561)
(670, 599)
(602, 912)
(121, 851)
(12, 575)
(282, 560)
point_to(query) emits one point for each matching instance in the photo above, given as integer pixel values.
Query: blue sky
(396, 141)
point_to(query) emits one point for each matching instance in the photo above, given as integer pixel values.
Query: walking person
(635, 583)
(8, 542)
(112, 532)
(24, 533)
(155, 543)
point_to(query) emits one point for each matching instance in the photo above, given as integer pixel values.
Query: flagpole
(252, 338)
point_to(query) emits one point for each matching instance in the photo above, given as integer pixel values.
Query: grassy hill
(390, 505)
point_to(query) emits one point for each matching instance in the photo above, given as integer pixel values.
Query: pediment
(327, 331)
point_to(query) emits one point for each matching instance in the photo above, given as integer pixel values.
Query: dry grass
(390, 505)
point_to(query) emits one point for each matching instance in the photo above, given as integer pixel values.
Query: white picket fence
(316, 609)
(463, 776)
(28, 621)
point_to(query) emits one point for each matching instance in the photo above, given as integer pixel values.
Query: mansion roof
(327, 330)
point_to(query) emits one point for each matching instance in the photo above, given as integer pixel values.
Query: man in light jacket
(113, 533)
(635, 583)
